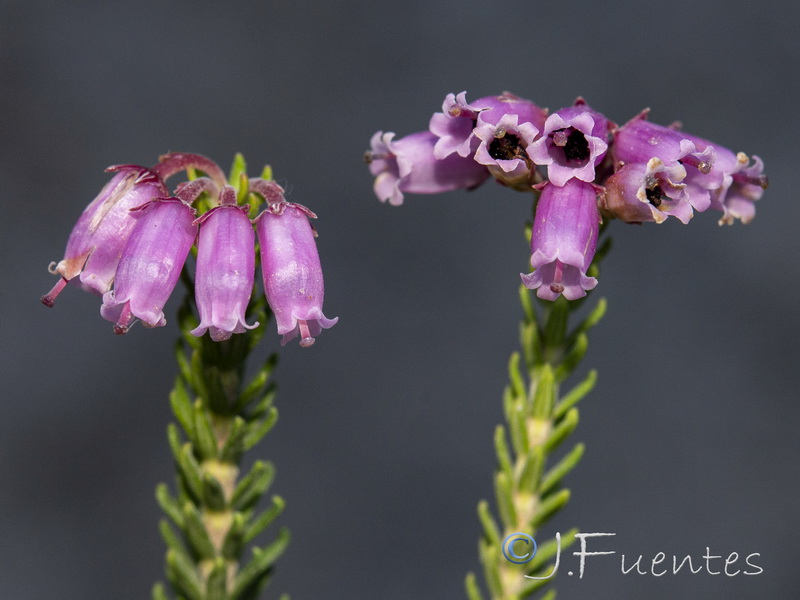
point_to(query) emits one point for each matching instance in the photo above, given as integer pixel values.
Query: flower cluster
(132, 242)
(583, 166)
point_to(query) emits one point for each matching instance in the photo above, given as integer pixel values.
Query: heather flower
(563, 241)
(292, 272)
(96, 243)
(408, 165)
(151, 264)
(574, 140)
(743, 183)
(225, 271)
(502, 150)
(640, 140)
(738, 199)
(640, 192)
(455, 125)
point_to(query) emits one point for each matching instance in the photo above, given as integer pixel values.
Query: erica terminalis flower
(743, 182)
(408, 165)
(639, 193)
(563, 240)
(98, 238)
(455, 125)
(151, 264)
(573, 142)
(502, 150)
(291, 270)
(639, 140)
(225, 270)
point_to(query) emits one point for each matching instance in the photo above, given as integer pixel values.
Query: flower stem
(214, 512)
(539, 419)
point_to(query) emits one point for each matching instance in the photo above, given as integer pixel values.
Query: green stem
(220, 418)
(538, 421)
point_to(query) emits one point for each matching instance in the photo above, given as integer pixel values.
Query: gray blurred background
(384, 445)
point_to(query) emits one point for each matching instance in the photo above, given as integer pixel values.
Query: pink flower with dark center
(563, 241)
(640, 140)
(455, 125)
(651, 192)
(502, 150)
(573, 142)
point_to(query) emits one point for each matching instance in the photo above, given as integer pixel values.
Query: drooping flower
(573, 142)
(408, 165)
(639, 193)
(225, 271)
(151, 264)
(96, 243)
(502, 150)
(292, 273)
(563, 240)
(455, 125)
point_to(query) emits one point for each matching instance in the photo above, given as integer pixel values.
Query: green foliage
(528, 482)
(213, 515)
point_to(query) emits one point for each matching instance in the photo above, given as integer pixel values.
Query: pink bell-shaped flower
(292, 272)
(563, 240)
(223, 281)
(96, 243)
(151, 264)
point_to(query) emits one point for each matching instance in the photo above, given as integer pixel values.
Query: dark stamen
(507, 147)
(577, 148)
(655, 195)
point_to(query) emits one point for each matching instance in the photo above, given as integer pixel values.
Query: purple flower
(502, 150)
(98, 238)
(408, 165)
(738, 199)
(574, 141)
(742, 185)
(455, 125)
(640, 140)
(639, 193)
(292, 272)
(151, 264)
(223, 281)
(563, 241)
